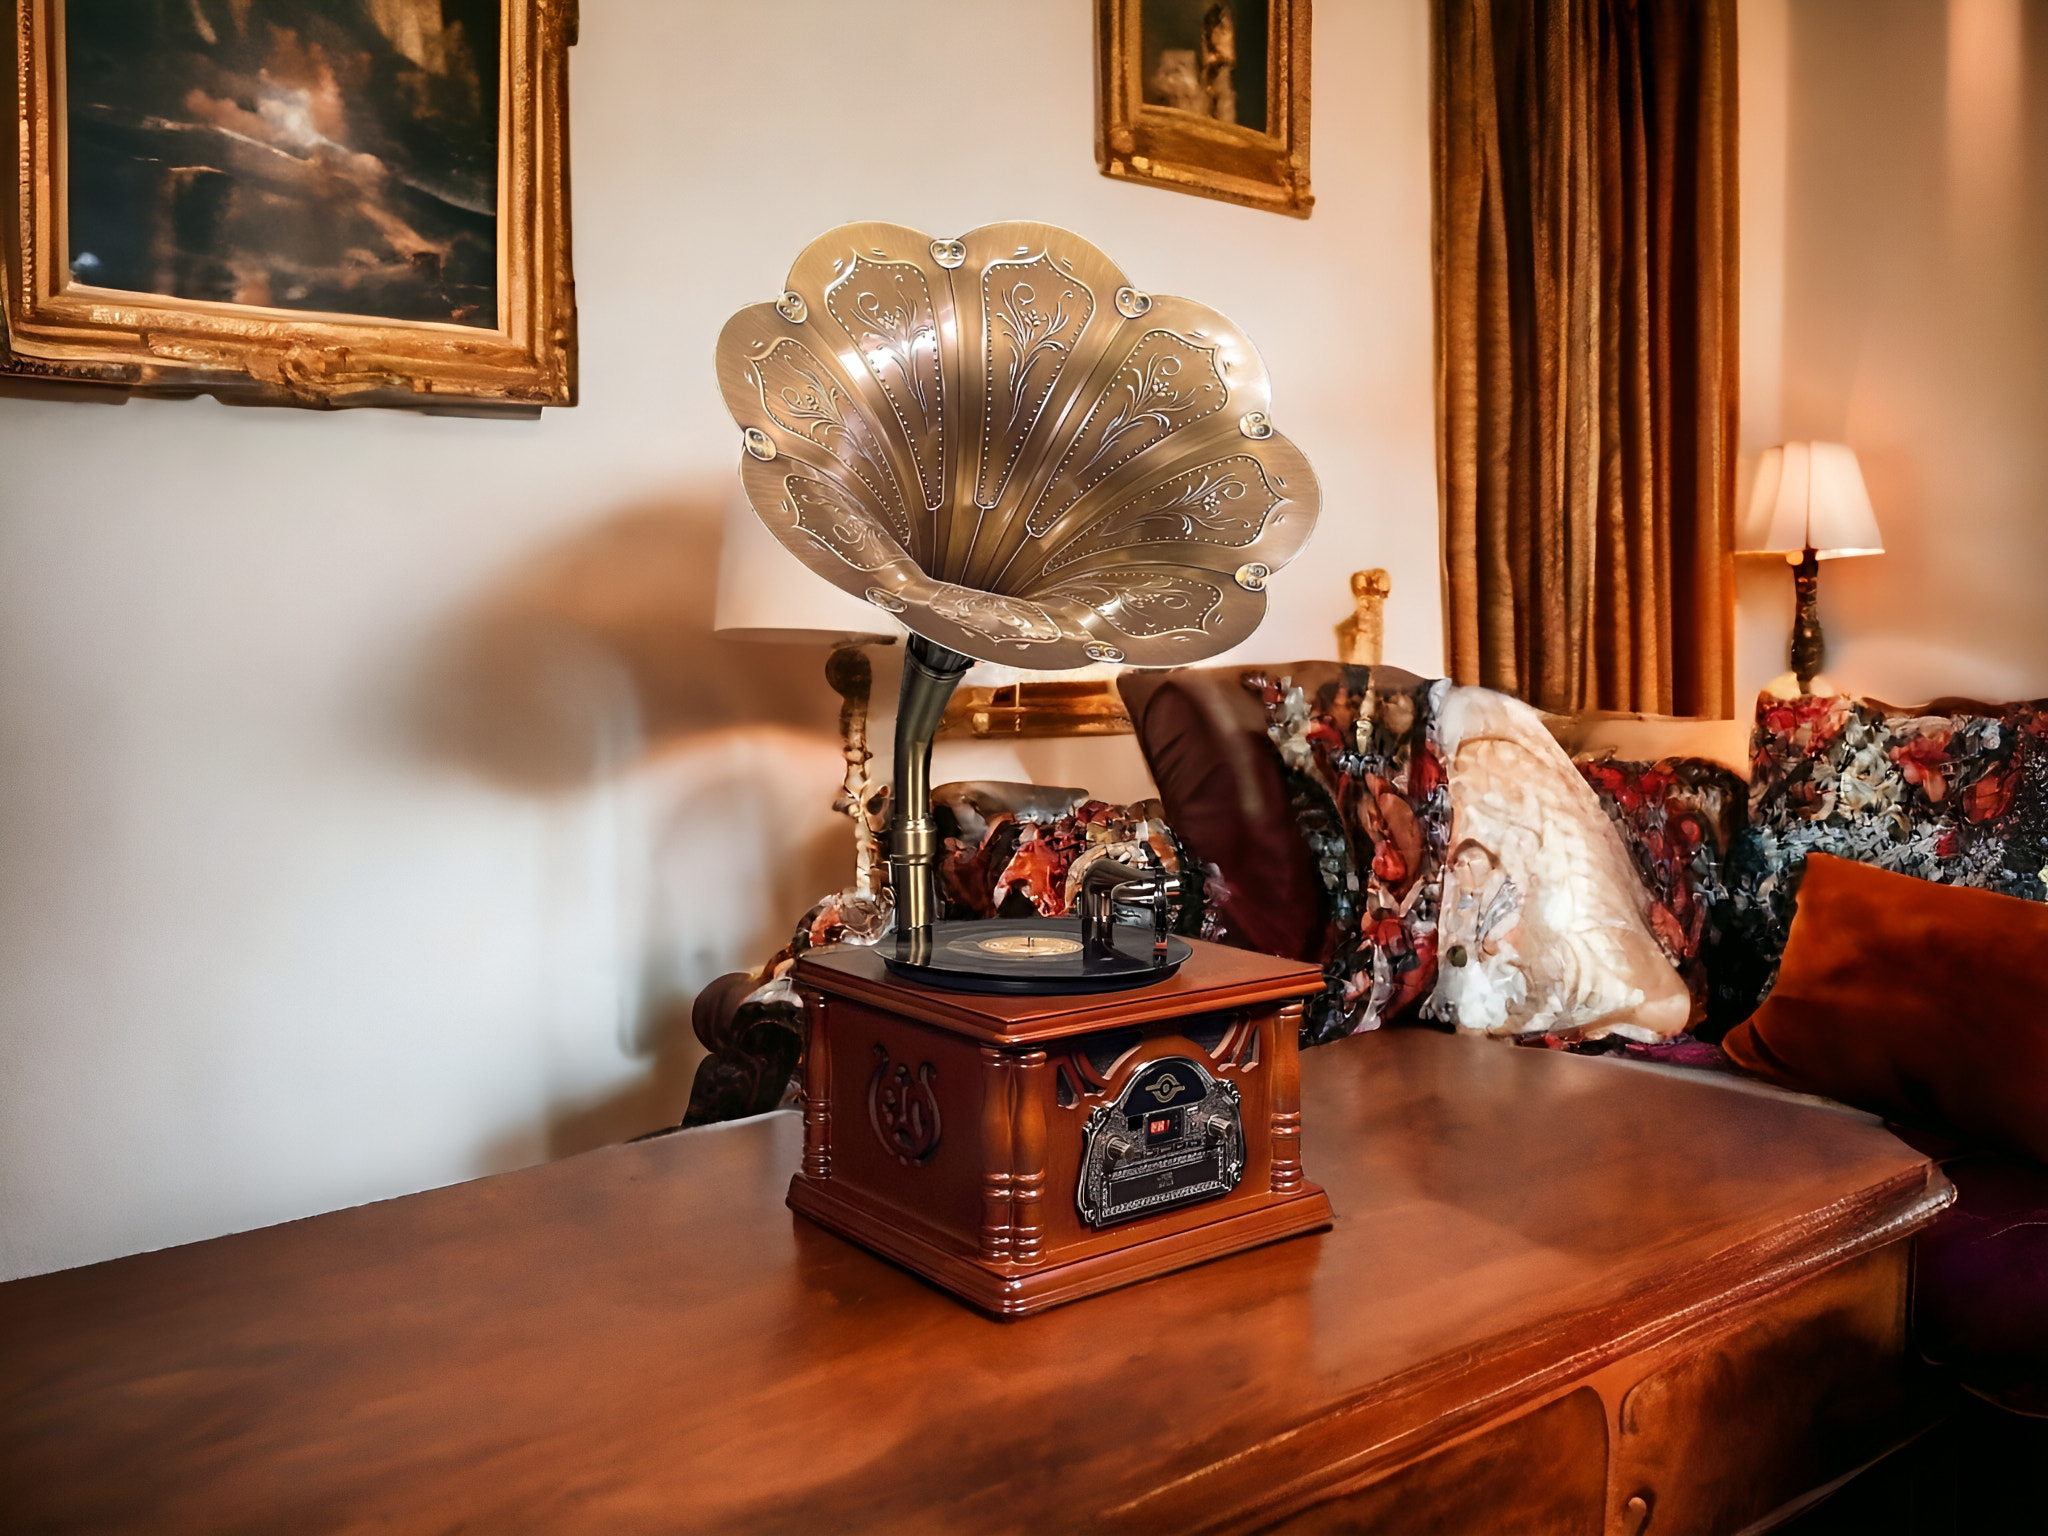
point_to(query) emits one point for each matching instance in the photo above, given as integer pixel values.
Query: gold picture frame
(1038, 707)
(1212, 143)
(511, 352)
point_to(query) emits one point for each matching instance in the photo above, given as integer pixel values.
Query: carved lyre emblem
(1165, 1089)
(903, 1109)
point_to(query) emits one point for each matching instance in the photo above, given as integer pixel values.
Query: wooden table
(1555, 1285)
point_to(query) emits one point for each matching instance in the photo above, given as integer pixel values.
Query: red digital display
(1160, 1128)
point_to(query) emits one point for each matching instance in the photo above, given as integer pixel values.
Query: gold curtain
(1586, 261)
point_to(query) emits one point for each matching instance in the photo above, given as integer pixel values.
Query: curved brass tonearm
(930, 673)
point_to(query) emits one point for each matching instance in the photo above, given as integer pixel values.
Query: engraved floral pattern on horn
(1224, 504)
(804, 398)
(837, 524)
(1035, 314)
(1147, 604)
(1033, 471)
(1168, 382)
(887, 312)
(994, 617)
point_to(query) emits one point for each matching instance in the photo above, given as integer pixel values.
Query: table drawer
(1810, 1386)
(1543, 1474)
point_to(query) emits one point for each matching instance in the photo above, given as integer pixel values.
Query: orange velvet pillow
(1924, 1003)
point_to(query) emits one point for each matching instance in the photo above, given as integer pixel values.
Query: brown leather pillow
(1925, 1003)
(1204, 738)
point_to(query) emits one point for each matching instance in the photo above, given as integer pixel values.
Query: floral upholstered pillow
(1679, 818)
(1549, 930)
(1543, 926)
(1954, 793)
(1362, 770)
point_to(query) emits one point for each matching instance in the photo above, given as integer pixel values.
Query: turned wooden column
(1027, 1151)
(817, 1091)
(1285, 1087)
(997, 1108)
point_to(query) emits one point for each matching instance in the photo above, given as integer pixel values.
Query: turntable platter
(1036, 955)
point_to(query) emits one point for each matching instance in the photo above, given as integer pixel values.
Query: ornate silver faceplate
(1129, 1168)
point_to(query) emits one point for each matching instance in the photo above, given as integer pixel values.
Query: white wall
(1895, 298)
(372, 796)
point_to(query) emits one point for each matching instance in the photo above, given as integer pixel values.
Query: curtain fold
(1585, 271)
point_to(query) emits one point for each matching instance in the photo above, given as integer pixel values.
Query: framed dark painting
(312, 202)
(1206, 96)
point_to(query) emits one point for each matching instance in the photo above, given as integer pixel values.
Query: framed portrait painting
(305, 202)
(1206, 96)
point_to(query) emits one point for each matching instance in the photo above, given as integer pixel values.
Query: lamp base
(1809, 646)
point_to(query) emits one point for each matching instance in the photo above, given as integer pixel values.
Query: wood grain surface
(1225, 977)
(643, 1339)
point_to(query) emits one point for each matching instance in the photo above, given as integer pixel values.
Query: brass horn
(1023, 457)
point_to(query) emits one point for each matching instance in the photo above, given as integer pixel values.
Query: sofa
(1311, 806)
(1273, 776)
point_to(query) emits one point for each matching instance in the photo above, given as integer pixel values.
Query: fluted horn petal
(1004, 443)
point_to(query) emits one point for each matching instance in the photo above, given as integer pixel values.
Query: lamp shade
(993, 674)
(1810, 496)
(766, 593)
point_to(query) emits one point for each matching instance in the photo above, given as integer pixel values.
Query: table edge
(1308, 1462)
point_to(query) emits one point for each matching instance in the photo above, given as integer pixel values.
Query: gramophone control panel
(1173, 1136)
(1024, 1151)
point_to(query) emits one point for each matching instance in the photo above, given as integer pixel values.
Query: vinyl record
(1038, 955)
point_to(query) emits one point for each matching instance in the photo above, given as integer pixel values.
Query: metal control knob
(1219, 1126)
(1121, 1148)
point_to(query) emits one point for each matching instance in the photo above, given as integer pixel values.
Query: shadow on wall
(590, 677)
(516, 695)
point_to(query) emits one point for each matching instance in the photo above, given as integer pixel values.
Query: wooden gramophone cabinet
(1023, 1151)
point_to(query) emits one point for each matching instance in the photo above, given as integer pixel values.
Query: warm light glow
(1810, 496)
(1985, 58)
(1765, 62)
(766, 593)
(992, 674)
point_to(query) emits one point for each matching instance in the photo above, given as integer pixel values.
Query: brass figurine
(1362, 637)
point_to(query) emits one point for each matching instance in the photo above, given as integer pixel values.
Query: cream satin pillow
(1542, 927)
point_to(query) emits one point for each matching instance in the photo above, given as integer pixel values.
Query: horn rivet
(759, 444)
(791, 307)
(948, 253)
(1252, 577)
(1255, 424)
(1100, 652)
(888, 601)
(1131, 304)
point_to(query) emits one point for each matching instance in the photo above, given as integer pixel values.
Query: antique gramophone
(1025, 459)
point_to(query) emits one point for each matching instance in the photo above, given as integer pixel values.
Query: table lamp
(765, 594)
(1809, 505)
